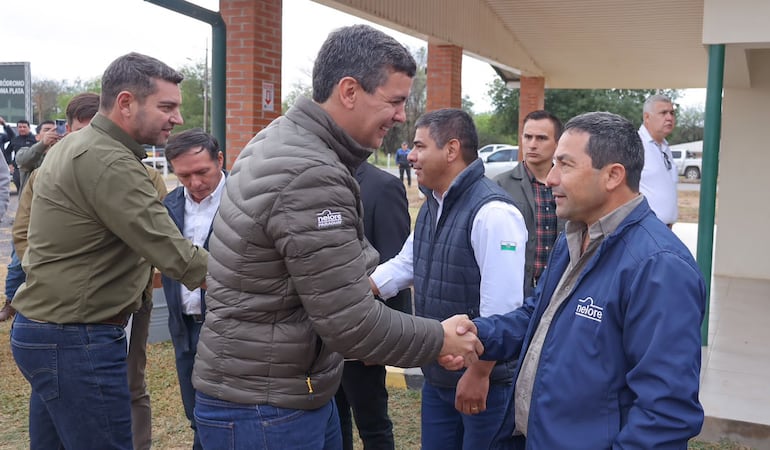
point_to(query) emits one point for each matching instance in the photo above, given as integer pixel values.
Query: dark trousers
(184, 369)
(136, 363)
(405, 169)
(363, 390)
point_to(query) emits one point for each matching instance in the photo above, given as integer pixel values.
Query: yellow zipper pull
(309, 385)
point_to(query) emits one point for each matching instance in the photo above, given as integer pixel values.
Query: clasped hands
(461, 346)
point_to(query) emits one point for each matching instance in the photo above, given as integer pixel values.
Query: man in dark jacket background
(531, 195)
(386, 226)
(197, 162)
(25, 138)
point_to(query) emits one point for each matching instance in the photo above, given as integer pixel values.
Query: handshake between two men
(461, 345)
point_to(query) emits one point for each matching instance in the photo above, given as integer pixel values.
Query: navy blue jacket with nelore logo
(447, 279)
(620, 364)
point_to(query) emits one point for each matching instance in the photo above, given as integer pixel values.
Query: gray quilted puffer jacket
(288, 290)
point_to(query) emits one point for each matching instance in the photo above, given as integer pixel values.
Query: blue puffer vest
(446, 277)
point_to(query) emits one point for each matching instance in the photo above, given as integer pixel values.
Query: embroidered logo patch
(587, 309)
(329, 219)
(507, 245)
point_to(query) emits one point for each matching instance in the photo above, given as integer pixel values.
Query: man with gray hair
(610, 343)
(660, 174)
(288, 293)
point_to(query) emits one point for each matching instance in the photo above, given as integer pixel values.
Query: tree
(689, 126)
(76, 87)
(44, 100)
(568, 103)
(299, 89)
(487, 133)
(415, 105)
(193, 95)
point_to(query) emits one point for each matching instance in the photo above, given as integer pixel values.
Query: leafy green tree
(76, 87)
(415, 106)
(44, 100)
(487, 133)
(689, 126)
(299, 89)
(193, 95)
(568, 103)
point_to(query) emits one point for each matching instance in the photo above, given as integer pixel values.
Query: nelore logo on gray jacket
(587, 309)
(329, 219)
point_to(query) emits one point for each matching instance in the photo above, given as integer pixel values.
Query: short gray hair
(651, 100)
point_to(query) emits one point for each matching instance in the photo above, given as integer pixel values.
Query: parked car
(501, 160)
(486, 150)
(688, 163)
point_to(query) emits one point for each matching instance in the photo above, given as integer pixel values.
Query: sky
(79, 38)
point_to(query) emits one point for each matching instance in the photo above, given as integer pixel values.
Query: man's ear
(616, 176)
(123, 102)
(453, 150)
(347, 90)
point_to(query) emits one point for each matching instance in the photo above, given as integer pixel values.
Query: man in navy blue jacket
(197, 162)
(610, 344)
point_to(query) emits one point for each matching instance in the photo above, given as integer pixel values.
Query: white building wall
(743, 204)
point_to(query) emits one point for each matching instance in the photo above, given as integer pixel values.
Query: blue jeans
(15, 276)
(446, 428)
(224, 425)
(79, 385)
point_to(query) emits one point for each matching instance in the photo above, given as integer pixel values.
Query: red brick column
(253, 63)
(531, 98)
(445, 63)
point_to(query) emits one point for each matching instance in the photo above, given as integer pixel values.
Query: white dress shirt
(498, 239)
(197, 223)
(659, 180)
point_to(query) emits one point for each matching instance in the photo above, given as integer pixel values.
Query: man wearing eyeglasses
(660, 175)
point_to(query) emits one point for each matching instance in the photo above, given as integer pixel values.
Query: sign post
(15, 91)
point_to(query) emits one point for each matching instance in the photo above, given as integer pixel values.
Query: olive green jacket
(95, 226)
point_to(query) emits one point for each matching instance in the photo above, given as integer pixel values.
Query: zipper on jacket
(309, 384)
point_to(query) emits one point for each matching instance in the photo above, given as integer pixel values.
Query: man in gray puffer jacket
(288, 291)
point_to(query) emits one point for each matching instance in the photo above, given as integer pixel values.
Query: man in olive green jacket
(96, 225)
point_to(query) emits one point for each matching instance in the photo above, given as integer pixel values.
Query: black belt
(197, 318)
(120, 320)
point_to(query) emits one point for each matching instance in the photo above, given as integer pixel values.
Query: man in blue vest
(197, 163)
(465, 256)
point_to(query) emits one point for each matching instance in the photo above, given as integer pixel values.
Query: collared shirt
(495, 222)
(575, 234)
(545, 222)
(197, 224)
(95, 226)
(660, 176)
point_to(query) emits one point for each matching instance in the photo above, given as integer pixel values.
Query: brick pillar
(445, 63)
(531, 98)
(253, 63)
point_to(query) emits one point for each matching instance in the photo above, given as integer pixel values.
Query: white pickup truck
(687, 158)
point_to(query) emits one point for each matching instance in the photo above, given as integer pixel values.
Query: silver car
(501, 160)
